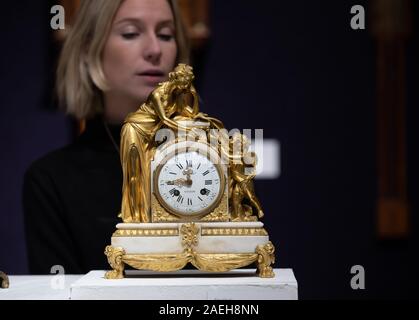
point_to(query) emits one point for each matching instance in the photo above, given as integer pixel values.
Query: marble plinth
(242, 284)
(214, 237)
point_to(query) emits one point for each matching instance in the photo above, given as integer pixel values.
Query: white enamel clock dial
(189, 184)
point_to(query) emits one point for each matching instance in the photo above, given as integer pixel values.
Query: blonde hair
(80, 77)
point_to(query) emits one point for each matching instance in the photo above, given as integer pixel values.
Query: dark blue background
(295, 69)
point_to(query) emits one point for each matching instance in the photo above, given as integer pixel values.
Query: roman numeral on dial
(180, 199)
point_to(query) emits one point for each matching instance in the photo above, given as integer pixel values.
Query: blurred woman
(114, 56)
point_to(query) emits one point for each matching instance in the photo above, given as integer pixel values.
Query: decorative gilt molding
(221, 213)
(203, 262)
(158, 262)
(189, 233)
(249, 218)
(146, 233)
(234, 232)
(4, 280)
(223, 262)
(159, 214)
(115, 255)
(209, 231)
(265, 259)
(209, 262)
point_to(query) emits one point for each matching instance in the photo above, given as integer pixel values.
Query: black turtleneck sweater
(71, 199)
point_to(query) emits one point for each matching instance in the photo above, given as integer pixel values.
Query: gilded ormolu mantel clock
(188, 192)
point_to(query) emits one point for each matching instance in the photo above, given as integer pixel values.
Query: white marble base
(242, 284)
(173, 244)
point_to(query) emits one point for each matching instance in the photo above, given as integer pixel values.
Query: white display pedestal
(51, 287)
(241, 284)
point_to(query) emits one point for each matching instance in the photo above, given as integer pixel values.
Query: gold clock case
(151, 237)
(218, 211)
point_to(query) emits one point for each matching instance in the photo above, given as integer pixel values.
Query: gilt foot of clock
(212, 247)
(115, 256)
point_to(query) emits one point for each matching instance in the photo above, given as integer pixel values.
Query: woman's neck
(117, 107)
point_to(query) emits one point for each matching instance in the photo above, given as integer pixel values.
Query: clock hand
(188, 173)
(188, 182)
(182, 182)
(178, 182)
